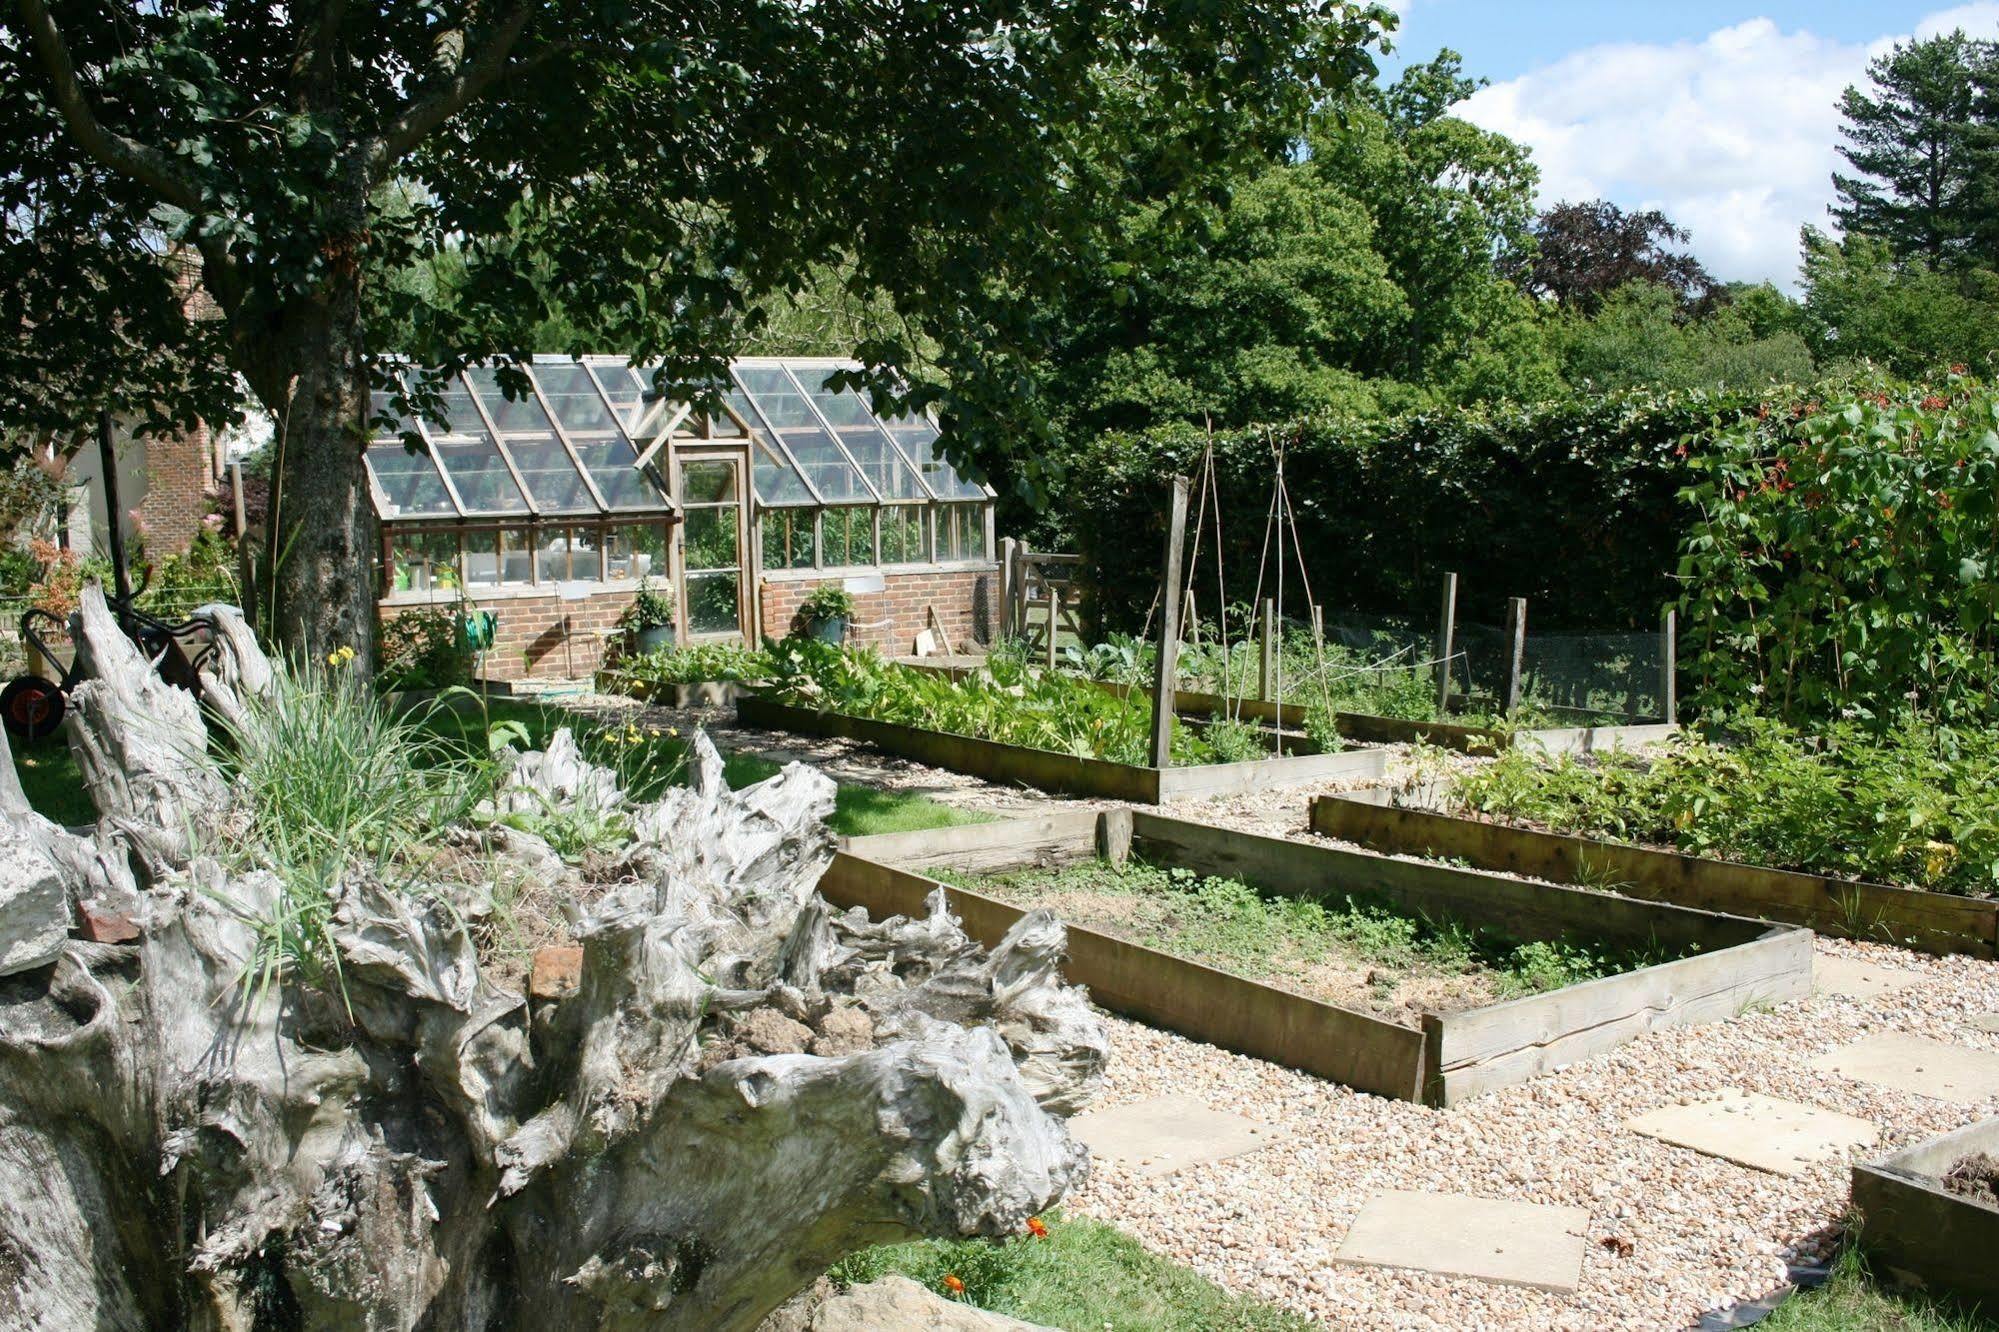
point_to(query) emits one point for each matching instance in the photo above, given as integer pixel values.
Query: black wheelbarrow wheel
(31, 707)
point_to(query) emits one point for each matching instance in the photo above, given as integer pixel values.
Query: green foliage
(1913, 806)
(1571, 504)
(650, 609)
(1639, 336)
(693, 664)
(1854, 1301)
(828, 601)
(1864, 305)
(1084, 1277)
(1005, 701)
(423, 647)
(1230, 923)
(1841, 560)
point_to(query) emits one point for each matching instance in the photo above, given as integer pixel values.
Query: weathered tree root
(745, 1086)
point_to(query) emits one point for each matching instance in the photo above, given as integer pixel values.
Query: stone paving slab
(1986, 1022)
(1909, 1063)
(1513, 1243)
(1761, 1132)
(1858, 980)
(1169, 1133)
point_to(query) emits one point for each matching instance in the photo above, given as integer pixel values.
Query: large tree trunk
(323, 536)
(741, 1086)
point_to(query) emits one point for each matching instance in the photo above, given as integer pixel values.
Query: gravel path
(1674, 1234)
(1701, 1233)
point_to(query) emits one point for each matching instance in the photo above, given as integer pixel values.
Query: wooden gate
(1041, 587)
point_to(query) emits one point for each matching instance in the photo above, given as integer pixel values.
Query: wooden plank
(1039, 838)
(1165, 677)
(1512, 907)
(1503, 1044)
(1915, 1232)
(1669, 666)
(1516, 652)
(1201, 1002)
(1931, 922)
(1447, 642)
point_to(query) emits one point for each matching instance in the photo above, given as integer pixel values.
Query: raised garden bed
(1724, 964)
(1047, 770)
(1910, 917)
(1366, 728)
(1921, 1227)
(678, 694)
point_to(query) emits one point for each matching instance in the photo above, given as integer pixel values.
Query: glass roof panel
(917, 438)
(578, 407)
(529, 438)
(471, 459)
(409, 482)
(893, 477)
(610, 459)
(627, 392)
(778, 401)
(523, 413)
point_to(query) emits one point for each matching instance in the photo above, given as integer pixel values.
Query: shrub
(423, 648)
(1841, 564)
(829, 601)
(650, 609)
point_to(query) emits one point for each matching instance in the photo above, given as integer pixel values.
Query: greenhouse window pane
(787, 538)
(474, 465)
(626, 392)
(573, 397)
(609, 460)
(848, 536)
(551, 477)
(917, 438)
(424, 560)
(778, 400)
(961, 532)
(855, 426)
(408, 481)
(776, 480)
(523, 413)
(903, 535)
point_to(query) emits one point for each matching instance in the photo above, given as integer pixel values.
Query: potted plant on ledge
(828, 612)
(649, 619)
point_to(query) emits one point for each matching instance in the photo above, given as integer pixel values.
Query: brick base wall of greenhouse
(544, 636)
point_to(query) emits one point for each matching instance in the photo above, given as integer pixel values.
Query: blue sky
(1721, 114)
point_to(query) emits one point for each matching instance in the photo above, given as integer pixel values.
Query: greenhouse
(594, 485)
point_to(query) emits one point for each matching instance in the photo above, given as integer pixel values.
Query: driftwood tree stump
(744, 1086)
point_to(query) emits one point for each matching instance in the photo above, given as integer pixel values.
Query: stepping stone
(1859, 980)
(1513, 1243)
(1761, 1132)
(1986, 1022)
(1912, 1064)
(1169, 1133)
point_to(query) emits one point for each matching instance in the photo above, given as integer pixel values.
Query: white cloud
(1733, 137)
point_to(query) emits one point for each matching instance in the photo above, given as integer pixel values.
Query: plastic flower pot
(831, 630)
(654, 639)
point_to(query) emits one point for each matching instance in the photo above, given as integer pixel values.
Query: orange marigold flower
(952, 1284)
(1036, 1228)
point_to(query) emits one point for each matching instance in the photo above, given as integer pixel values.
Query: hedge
(1574, 505)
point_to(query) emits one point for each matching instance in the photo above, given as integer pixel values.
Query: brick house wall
(530, 636)
(180, 473)
(966, 602)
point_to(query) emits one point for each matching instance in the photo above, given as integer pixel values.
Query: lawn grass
(1852, 1302)
(52, 781)
(1084, 1277)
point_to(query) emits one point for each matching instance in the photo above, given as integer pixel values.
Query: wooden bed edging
(1370, 729)
(1456, 1056)
(1046, 770)
(681, 694)
(1910, 917)
(1915, 1231)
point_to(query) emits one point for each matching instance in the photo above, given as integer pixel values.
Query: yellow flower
(673, 731)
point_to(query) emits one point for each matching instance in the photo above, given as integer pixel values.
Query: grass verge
(1852, 1302)
(1084, 1277)
(52, 781)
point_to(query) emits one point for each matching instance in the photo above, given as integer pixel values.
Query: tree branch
(475, 74)
(129, 158)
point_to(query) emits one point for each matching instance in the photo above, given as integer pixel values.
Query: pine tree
(1913, 139)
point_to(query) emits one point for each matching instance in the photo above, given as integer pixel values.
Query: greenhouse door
(711, 488)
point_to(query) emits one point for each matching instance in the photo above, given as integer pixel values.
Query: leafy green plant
(650, 609)
(828, 601)
(1915, 805)
(422, 648)
(693, 664)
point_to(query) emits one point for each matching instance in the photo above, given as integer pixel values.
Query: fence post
(1447, 639)
(1054, 619)
(1009, 577)
(1516, 650)
(1669, 666)
(1267, 656)
(1166, 682)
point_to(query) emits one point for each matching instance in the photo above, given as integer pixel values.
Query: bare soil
(1975, 1177)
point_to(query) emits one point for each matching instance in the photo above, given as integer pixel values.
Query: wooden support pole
(1447, 642)
(1669, 667)
(1054, 619)
(1009, 585)
(1266, 679)
(1318, 627)
(1166, 677)
(1516, 650)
